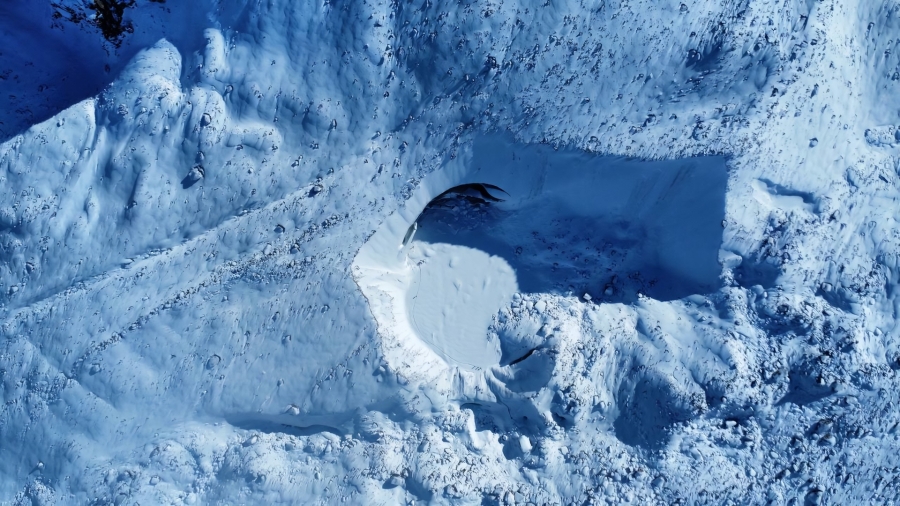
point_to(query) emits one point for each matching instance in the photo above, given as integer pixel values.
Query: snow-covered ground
(477, 252)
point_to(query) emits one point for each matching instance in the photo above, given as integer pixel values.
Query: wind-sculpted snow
(425, 252)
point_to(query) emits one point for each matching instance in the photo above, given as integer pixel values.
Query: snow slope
(679, 288)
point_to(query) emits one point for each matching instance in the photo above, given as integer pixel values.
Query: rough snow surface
(498, 252)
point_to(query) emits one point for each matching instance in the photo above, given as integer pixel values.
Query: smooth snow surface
(420, 252)
(451, 298)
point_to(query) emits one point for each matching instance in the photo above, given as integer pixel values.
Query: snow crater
(509, 218)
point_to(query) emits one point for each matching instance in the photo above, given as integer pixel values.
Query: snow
(550, 220)
(492, 252)
(453, 294)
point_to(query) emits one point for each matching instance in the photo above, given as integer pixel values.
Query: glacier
(479, 252)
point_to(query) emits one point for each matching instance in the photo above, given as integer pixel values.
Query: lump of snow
(196, 173)
(525, 444)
